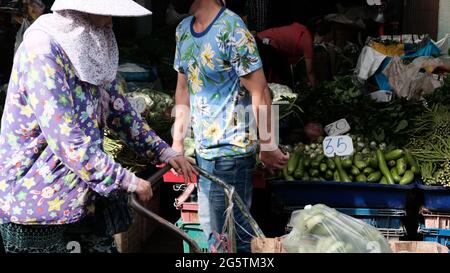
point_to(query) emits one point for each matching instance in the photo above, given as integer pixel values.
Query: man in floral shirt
(215, 55)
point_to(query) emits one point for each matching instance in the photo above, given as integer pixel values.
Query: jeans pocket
(225, 166)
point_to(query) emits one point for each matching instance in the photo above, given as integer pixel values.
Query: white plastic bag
(320, 229)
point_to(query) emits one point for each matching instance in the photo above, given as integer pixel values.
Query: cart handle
(134, 203)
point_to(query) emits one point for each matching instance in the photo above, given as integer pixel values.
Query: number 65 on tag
(338, 146)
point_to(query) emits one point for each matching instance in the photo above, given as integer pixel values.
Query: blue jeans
(211, 197)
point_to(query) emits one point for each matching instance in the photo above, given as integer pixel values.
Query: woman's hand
(183, 167)
(144, 190)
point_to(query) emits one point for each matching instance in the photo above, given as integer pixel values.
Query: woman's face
(101, 20)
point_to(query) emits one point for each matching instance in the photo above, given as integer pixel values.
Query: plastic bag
(320, 229)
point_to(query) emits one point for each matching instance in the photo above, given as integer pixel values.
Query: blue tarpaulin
(430, 49)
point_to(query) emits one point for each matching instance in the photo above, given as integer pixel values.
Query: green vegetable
(342, 174)
(347, 162)
(384, 181)
(373, 162)
(300, 171)
(331, 164)
(315, 164)
(368, 171)
(286, 175)
(394, 155)
(384, 168)
(412, 162)
(402, 166)
(407, 178)
(336, 176)
(314, 173)
(307, 163)
(374, 177)
(323, 167)
(293, 162)
(329, 174)
(355, 171)
(395, 175)
(361, 178)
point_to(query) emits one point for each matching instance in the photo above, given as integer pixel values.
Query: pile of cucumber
(370, 164)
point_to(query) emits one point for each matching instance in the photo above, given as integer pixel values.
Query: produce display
(371, 163)
(431, 145)
(320, 229)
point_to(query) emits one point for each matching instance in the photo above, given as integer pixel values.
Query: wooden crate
(417, 247)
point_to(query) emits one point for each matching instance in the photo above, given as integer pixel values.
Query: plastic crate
(379, 218)
(441, 236)
(189, 212)
(435, 198)
(342, 195)
(194, 231)
(435, 220)
(393, 234)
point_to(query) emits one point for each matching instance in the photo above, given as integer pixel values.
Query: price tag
(338, 128)
(338, 146)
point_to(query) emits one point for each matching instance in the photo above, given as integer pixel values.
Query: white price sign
(338, 146)
(338, 128)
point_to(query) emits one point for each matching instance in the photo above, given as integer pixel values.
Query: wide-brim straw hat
(119, 8)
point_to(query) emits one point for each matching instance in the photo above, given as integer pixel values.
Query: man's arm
(310, 71)
(182, 113)
(256, 84)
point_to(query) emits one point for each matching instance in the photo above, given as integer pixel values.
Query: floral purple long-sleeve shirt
(51, 155)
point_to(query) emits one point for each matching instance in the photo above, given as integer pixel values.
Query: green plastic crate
(194, 231)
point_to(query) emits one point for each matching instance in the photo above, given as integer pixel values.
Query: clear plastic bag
(320, 229)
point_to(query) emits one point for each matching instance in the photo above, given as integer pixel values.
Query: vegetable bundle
(321, 229)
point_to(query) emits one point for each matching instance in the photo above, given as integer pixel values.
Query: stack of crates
(435, 226)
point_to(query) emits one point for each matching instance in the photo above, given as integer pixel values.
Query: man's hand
(144, 190)
(274, 160)
(183, 167)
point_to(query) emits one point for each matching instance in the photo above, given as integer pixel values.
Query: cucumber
(383, 181)
(342, 174)
(373, 162)
(286, 175)
(361, 165)
(384, 168)
(329, 175)
(361, 178)
(374, 177)
(402, 166)
(323, 167)
(300, 171)
(347, 162)
(336, 176)
(395, 175)
(314, 173)
(412, 162)
(331, 164)
(359, 162)
(408, 178)
(394, 155)
(355, 171)
(293, 162)
(315, 164)
(307, 163)
(368, 171)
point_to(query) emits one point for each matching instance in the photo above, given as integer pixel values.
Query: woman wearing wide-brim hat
(62, 94)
